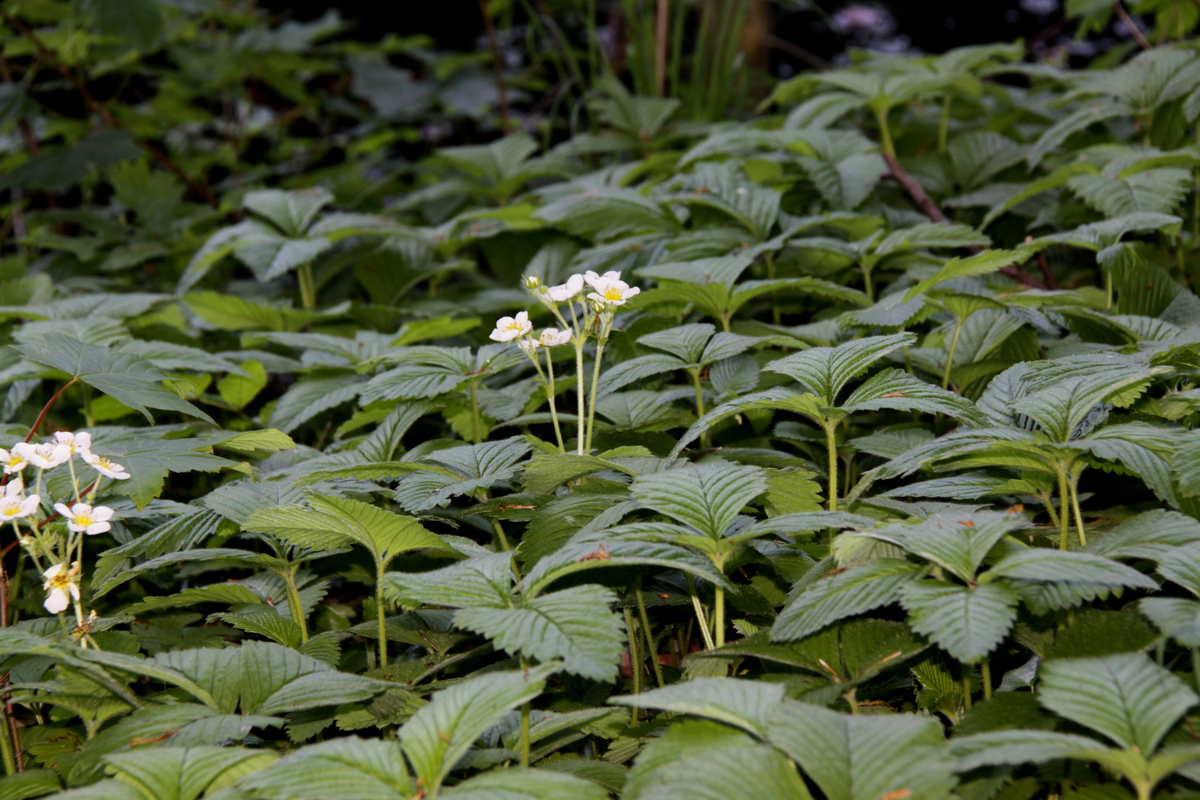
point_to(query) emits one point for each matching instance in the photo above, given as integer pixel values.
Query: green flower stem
(550, 397)
(526, 708)
(719, 615)
(704, 438)
(635, 662)
(699, 609)
(1064, 497)
(501, 539)
(641, 602)
(295, 604)
(8, 748)
(1047, 500)
(958, 326)
(1074, 485)
(380, 616)
(476, 418)
(885, 133)
(769, 260)
(308, 291)
(831, 451)
(579, 392)
(966, 687)
(985, 673)
(944, 124)
(591, 423)
(1196, 666)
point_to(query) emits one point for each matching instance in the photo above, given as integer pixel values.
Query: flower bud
(534, 284)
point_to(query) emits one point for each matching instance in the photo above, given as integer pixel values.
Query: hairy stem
(885, 133)
(591, 423)
(526, 708)
(308, 290)
(1074, 485)
(700, 410)
(831, 451)
(958, 326)
(944, 124)
(295, 604)
(650, 648)
(8, 748)
(476, 418)
(1064, 497)
(579, 392)
(550, 397)
(699, 609)
(719, 615)
(635, 661)
(381, 616)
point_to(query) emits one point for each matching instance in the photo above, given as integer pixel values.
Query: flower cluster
(593, 317)
(608, 293)
(59, 546)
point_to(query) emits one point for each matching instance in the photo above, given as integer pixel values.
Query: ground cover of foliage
(847, 452)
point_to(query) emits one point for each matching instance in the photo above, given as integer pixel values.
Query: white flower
(611, 289)
(43, 456)
(12, 460)
(13, 505)
(529, 346)
(552, 337)
(82, 517)
(80, 444)
(106, 467)
(509, 328)
(565, 291)
(592, 278)
(60, 587)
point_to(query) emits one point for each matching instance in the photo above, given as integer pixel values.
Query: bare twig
(99, 109)
(795, 51)
(497, 64)
(661, 30)
(930, 209)
(1131, 26)
(46, 408)
(1047, 273)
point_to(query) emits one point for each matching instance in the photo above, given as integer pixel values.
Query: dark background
(931, 26)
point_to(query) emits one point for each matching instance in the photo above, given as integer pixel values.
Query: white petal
(57, 601)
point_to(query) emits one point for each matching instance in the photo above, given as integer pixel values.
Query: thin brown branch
(101, 111)
(661, 33)
(1131, 26)
(46, 408)
(930, 209)
(795, 51)
(1047, 273)
(497, 64)
(79, 497)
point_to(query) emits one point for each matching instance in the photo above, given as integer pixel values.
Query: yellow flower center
(14, 460)
(613, 294)
(513, 326)
(12, 510)
(81, 519)
(61, 581)
(104, 463)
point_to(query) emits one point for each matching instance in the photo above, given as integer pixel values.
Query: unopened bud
(598, 307)
(534, 284)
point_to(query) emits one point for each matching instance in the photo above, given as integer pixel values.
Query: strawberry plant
(848, 451)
